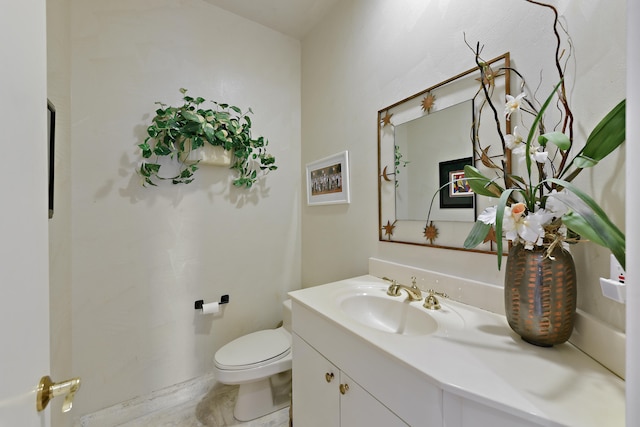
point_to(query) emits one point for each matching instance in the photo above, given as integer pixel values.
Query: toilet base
(260, 398)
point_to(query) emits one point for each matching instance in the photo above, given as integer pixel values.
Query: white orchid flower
(537, 155)
(488, 216)
(514, 140)
(512, 216)
(513, 104)
(531, 228)
(528, 229)
(556, 205)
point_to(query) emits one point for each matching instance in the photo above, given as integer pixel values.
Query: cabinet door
(316, 396)
(359, 409)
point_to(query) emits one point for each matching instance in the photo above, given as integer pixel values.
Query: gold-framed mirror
(424, 141)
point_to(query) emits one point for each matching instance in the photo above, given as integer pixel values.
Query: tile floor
(211, 410)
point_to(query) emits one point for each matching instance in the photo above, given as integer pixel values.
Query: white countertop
(480, 358)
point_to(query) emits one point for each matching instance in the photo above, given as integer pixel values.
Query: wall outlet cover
(613, 289)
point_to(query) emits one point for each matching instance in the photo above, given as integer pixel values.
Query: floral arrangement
(543, 208)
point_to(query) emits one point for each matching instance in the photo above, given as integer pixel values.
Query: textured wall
(369, 54)
(142, 256)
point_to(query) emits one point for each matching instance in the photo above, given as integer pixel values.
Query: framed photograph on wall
(328, 180)
(457, 193)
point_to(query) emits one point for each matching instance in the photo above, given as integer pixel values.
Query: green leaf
(595, 219)
(576, 223)
(161, 150)
(607, 135)
(192, 116)
(146, 150)
(152, 131)
(209, 132)
(583, 162)
(153, 167)
(480, 184)
(478, 233)
(559, 139)
(143, 170)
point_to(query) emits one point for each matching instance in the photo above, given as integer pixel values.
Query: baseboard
(140, 406)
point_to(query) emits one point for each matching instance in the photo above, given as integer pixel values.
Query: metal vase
(540, 294)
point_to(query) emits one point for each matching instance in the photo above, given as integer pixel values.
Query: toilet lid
(253, 349)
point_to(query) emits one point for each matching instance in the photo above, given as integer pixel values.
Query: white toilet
(260, 363)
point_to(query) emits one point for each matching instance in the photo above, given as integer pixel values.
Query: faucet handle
(394, 289)
(431, 302)
(441, 294)
(414, 281)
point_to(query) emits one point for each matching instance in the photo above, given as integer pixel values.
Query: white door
(24, 283)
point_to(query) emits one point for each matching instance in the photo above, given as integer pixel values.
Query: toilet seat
(254, 350)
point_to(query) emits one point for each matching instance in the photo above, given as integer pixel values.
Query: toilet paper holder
(224, 299)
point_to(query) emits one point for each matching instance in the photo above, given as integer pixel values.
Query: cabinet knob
(328, 376)
(344, 388)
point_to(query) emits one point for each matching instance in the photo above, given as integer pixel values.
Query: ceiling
(292, 17)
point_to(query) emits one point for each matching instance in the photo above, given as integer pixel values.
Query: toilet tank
(286, 314)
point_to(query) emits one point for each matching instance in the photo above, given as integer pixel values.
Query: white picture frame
(328, 180)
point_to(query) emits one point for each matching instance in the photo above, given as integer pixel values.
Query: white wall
(142, 256)
(366, 55)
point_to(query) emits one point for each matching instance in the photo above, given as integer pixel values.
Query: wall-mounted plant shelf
(190, 135)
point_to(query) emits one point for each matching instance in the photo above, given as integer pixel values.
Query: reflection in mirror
(424, 142)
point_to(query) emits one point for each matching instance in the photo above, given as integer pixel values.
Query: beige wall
(369, 54)
(142, 256)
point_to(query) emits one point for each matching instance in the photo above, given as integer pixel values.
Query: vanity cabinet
(324, 396)
(471, 372)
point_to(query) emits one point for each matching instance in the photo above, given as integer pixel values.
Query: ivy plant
(176, 131)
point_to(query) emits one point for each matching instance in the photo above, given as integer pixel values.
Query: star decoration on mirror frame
(386, 120)
(431, 232)
(428, 102)
(385, 175)
(490, 76)
(491, 236)
(388, 229)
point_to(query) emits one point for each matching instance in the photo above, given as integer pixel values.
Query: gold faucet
(431, 302)
(414, 293)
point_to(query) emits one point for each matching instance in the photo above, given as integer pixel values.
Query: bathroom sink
(396, 316)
